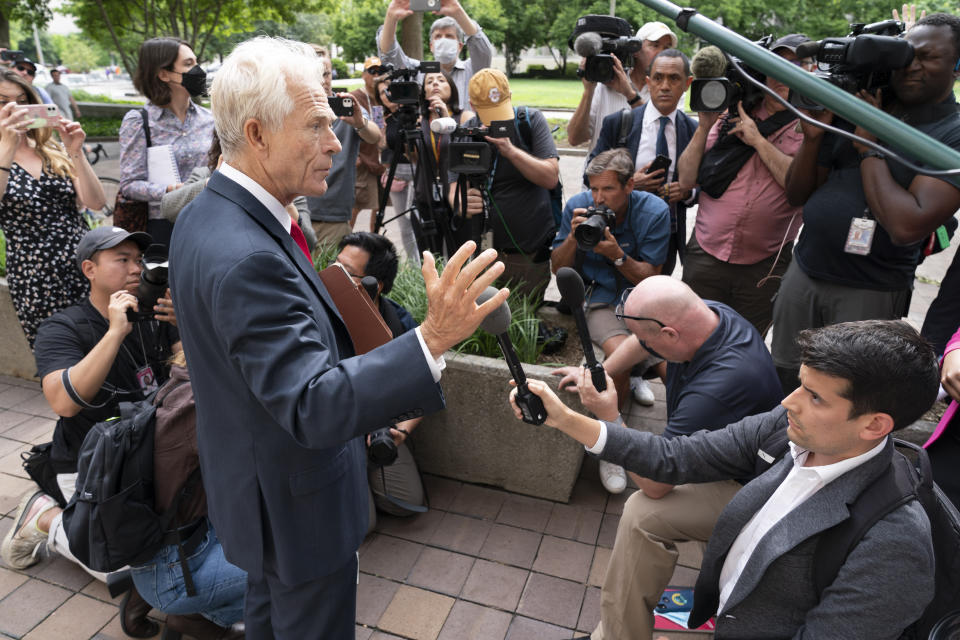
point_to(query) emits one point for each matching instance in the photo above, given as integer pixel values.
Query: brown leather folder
(367, 328)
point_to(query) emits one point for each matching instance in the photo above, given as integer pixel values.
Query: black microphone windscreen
(709, 62)
(371, 286)
(570, 285)
(498, 320)
(588, 44)
(808, 49)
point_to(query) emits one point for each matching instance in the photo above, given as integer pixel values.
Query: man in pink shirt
(743, 237)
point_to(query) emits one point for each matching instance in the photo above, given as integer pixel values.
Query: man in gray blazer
(859, 381)
(282, 403)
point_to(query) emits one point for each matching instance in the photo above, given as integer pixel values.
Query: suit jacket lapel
(824, 509)
(262, 216)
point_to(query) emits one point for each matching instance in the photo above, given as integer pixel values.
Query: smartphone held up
(42, 115)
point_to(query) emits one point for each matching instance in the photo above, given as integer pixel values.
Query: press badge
(860, 236)
(146, 379)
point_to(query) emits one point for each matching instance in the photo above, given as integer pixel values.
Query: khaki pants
(329, 234)
(645, 553)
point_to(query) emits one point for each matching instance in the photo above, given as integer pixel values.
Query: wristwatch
(365, 121)
(870, 153)
(619, 261)
(635, 99)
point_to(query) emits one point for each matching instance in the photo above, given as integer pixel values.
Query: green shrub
(85, 96)
(101, 127)
(343, 71)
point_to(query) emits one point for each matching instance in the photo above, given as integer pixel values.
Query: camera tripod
(430, 227)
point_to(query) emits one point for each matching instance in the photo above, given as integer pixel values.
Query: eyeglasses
(26, 70)
(618, 310)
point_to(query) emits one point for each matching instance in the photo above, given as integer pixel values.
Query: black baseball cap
(106, 238)
(26, 62)
(790, 41)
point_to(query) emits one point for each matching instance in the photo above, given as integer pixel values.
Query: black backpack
(909, 477)
(110, 521)
(522, 119)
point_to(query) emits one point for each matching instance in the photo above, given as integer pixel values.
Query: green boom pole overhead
(891, 131)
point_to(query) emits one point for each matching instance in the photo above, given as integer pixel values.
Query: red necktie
(300, 239)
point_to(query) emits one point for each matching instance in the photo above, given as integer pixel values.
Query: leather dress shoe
(133, 616)
(200, 628)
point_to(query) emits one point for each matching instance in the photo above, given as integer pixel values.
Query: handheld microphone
(498, 324)
(570, 285)
(370, 285)
(709, 62)
(438, 111)
(443, 125)
(588, 43)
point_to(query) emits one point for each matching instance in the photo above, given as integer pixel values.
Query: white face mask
(445, 50)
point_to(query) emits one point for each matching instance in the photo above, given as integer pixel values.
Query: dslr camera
(599, 39)
(470, 153)
(591, 231)
(382, 450)
(153, 283)
(864, 59)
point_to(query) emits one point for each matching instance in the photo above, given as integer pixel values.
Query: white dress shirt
(801, 483)
(647, 149)
(279, 212)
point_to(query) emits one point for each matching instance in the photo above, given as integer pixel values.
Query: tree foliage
(121, 25)
(28, 11)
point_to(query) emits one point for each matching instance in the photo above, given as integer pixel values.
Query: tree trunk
(411, 36)
(4, 31)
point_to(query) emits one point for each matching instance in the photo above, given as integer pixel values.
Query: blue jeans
(220, 585)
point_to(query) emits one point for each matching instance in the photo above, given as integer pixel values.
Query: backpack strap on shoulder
(895, 487)
(626, 124)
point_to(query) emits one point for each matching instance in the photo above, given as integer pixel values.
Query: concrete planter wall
(16, 359)
(478, 439)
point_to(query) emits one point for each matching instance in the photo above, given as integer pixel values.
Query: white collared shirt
(647, 149)
(279, 212)
(801, 483)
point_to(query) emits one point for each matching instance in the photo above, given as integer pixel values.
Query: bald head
(687, 321)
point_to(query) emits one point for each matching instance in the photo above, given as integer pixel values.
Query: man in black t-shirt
(525, 170)
(864, 217)
(90, 358)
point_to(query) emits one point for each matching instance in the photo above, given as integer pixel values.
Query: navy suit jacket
(282, 406)
(684, 127)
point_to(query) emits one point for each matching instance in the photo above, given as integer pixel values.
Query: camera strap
(403, 504)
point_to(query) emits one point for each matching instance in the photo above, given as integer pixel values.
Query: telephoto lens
(382, 450)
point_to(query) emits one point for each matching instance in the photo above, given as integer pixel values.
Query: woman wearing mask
(168, 75)
(42, 181)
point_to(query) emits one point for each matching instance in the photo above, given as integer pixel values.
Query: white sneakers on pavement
(612, 477)
(641, 390)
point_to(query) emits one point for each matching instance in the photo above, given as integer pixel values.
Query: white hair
(254, 82)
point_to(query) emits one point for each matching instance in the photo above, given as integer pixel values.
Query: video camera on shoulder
(591, 231)
(719, 86)
(153, 283)
(403, 88)
(599, 39)
(470, 153)
(864, 59)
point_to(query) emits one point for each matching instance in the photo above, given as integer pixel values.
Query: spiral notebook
(162, 165)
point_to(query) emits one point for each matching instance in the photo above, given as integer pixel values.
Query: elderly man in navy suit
(658, 128)
(282, 403)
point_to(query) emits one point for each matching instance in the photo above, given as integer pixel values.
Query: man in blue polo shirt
(633, 249)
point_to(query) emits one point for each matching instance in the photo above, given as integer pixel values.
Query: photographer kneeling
(525, 167)
(394, 481)
(618, 241)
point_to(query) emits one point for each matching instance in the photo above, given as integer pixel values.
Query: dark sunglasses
(27, 70)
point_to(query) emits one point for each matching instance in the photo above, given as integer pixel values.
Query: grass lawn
(546, 93)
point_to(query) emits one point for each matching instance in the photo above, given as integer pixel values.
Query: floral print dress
(43, 228)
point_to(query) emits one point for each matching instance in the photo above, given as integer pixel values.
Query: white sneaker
(612, 477)
(641, 390)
